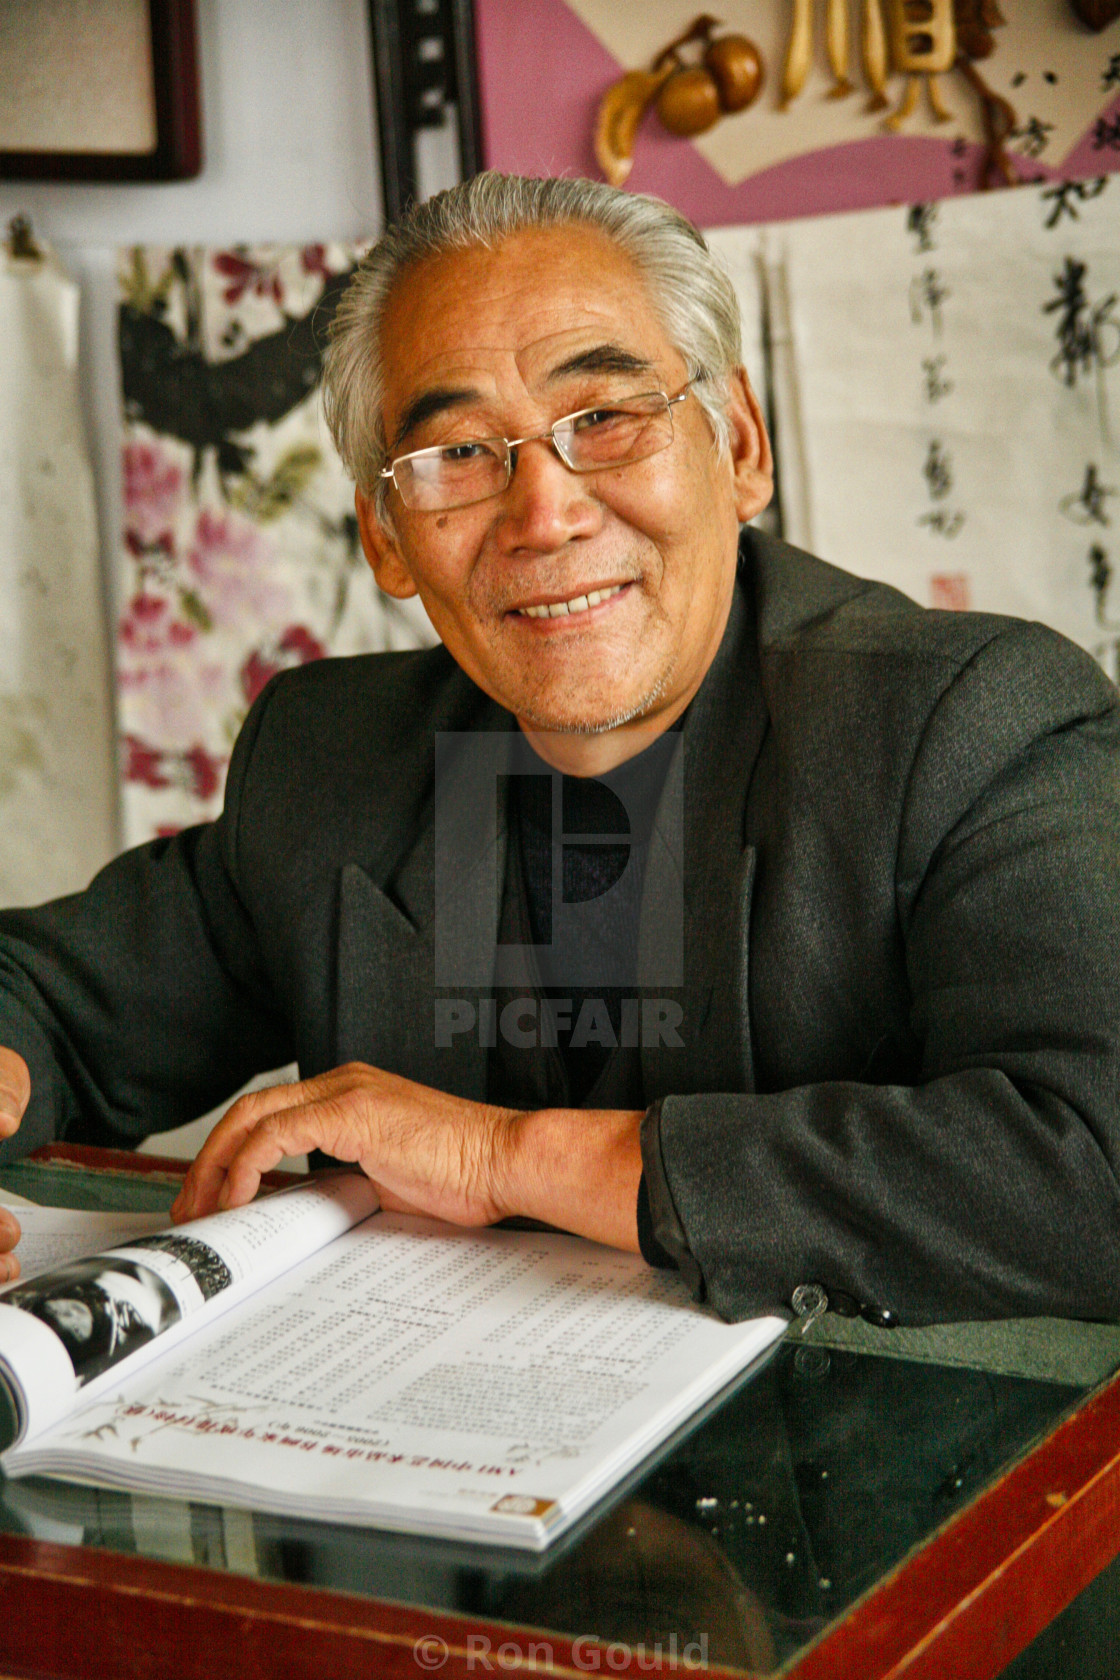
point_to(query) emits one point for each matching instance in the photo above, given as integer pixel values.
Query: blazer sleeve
(984, 1184)
(113, 1057)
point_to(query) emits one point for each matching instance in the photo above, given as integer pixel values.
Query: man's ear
(752, 461)
(380, 548)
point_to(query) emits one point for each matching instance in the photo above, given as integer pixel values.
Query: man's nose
(546, 504)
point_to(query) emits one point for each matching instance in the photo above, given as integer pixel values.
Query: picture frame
(165, 109)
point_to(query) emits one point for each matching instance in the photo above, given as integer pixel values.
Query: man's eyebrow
(601, 358)
(430, 403)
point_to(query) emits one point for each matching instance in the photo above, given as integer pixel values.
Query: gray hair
(691, 295)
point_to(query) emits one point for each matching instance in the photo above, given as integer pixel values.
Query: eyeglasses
(454, 475)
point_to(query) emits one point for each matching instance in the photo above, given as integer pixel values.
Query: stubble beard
(569, 714)
(561, 721)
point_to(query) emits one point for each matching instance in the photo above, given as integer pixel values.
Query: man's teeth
(578, 603)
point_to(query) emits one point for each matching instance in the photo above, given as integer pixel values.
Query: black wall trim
(424, 64)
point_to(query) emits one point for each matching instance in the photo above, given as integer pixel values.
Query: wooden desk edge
(86, 1158)
(964, 1603)
(975, 1594)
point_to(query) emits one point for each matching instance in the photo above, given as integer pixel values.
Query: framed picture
(102, 91)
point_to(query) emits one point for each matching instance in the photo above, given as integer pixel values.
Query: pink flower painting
(239, 549)
(153, 491)
(230, 565)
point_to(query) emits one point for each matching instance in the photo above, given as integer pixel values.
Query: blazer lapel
(416, 950)
(720, 743)
(385, 1013)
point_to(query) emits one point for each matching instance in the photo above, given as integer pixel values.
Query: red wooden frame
(178, 150)
(85, 1158)
(963, 1604)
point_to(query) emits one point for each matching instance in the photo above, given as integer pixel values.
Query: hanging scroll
(57, 769)
(950, 401)
(241, 552)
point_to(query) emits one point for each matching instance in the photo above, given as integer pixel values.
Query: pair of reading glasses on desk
(455, 475)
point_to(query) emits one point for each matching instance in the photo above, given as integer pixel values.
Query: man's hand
(427, 1152)
(15, 1089)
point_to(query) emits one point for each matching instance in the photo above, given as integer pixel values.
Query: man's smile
(570, 605)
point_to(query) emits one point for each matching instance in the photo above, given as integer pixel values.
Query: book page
(418, 1375)
(52, 1236)
(73, 1325)
(12, 1199)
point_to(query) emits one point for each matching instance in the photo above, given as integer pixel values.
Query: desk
(872, 1503)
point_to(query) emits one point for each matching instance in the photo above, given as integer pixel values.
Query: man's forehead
(488, 365)
(506, 320)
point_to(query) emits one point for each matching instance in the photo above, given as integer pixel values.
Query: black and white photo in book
(101, 1309)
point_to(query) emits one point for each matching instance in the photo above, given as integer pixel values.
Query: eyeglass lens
(433, 480)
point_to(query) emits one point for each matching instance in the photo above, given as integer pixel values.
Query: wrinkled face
(502, 343)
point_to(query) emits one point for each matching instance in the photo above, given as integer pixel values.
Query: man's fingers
(15, 1089)
(9, 1230)
(203, 1184)
(292, 1131)
(434, 1152)
(9, 1237)
(204, 1179)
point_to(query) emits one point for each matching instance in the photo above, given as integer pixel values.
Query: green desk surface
(67, 1185)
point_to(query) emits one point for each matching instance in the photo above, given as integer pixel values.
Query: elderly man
(833, 990)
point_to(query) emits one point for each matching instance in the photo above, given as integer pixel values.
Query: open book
(311, 1356)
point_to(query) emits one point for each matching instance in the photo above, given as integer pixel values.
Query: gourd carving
(917, 39)
(1097, 14)
(923, 42)
(975, 21)
(799, 55)
(689, 97)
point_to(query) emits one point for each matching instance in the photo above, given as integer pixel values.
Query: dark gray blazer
(900, 1064)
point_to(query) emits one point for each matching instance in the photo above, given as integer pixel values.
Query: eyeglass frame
(510, 447)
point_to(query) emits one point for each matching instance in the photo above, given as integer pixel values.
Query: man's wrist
(578, 1169)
